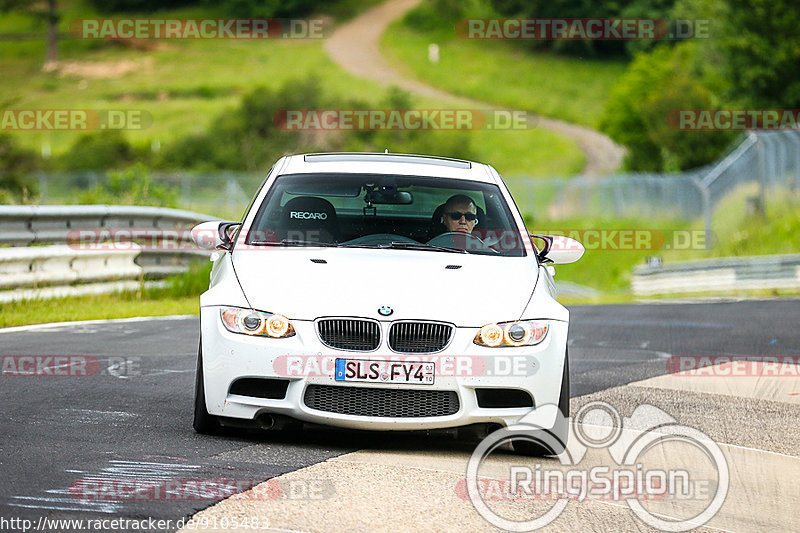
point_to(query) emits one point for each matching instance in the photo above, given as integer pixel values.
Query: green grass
(568, 88)
(738, 233)
(185, 85)
(602, 267)
(180, 295)
(120, 305)
(176, 74)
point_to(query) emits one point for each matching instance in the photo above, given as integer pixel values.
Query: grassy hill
(185, 84)
(569, 88)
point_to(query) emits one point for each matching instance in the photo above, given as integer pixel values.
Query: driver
(459, 214)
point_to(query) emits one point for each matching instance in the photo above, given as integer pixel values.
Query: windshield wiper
(420, 246)
(293, 242)
(394, 244)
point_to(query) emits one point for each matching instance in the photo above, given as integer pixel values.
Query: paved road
(133, 422)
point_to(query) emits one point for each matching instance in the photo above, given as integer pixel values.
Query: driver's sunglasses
(455, 215)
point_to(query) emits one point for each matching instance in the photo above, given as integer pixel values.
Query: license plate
(415, 372)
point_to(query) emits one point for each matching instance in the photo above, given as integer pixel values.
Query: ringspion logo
(694, 479)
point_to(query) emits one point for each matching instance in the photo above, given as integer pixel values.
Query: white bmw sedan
(380, 292)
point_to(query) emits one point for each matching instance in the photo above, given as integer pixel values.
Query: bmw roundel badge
(385, 310)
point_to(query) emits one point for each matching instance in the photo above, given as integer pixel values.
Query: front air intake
(392, 403)
(350, 334)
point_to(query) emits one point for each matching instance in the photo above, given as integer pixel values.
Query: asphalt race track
(131, 419)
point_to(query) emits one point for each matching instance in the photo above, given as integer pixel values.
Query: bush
(561, 9)
(16, 168)
(655, 83)
(442, 15)
(141, 6)
(442, 143)
(246, 138)
(98, 151)
(265, 8)
(133, 186)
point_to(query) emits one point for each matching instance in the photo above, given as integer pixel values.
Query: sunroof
(388, 158)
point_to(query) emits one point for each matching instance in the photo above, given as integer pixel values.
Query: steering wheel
(379, 238)
(460, 240)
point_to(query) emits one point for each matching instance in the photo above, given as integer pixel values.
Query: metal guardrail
(724, 274)
(57, 265)
(22, 225)
(36, 271)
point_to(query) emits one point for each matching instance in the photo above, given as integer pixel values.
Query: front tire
(537, 446)
(204, 423)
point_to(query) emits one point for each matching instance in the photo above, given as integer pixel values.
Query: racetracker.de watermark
(581, 29)
(728, 366)
(633, 239)
(402, 119)
(205, 28)
(505, 240)
(74, 119)
(68, 366)
(395, 367)
(733, 119)
(144, 489)
(203, 523)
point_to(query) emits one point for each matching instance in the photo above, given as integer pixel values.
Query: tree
(49, 15)
(760, 46)
(666, 79)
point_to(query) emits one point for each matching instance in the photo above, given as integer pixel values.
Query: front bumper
(303, 360)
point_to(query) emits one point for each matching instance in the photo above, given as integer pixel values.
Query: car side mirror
(215, 235)
(558, 249)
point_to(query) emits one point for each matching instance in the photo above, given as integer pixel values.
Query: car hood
(308, 283)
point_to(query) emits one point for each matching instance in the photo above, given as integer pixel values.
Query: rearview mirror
(215, 235)
(389, 195)
(558, 249)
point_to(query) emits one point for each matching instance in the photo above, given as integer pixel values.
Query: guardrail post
(705, 196)
(762, 170)
(42, 187)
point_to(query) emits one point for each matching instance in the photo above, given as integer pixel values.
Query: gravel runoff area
(399, 488)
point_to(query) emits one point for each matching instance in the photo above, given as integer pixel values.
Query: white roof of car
(386, 163)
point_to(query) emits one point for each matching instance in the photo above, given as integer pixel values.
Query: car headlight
(250, 322)
(504, 334)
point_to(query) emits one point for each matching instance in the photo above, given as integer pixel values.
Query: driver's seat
(309, 218)
(437, 228)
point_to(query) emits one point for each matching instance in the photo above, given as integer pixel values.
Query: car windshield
(386, 211)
